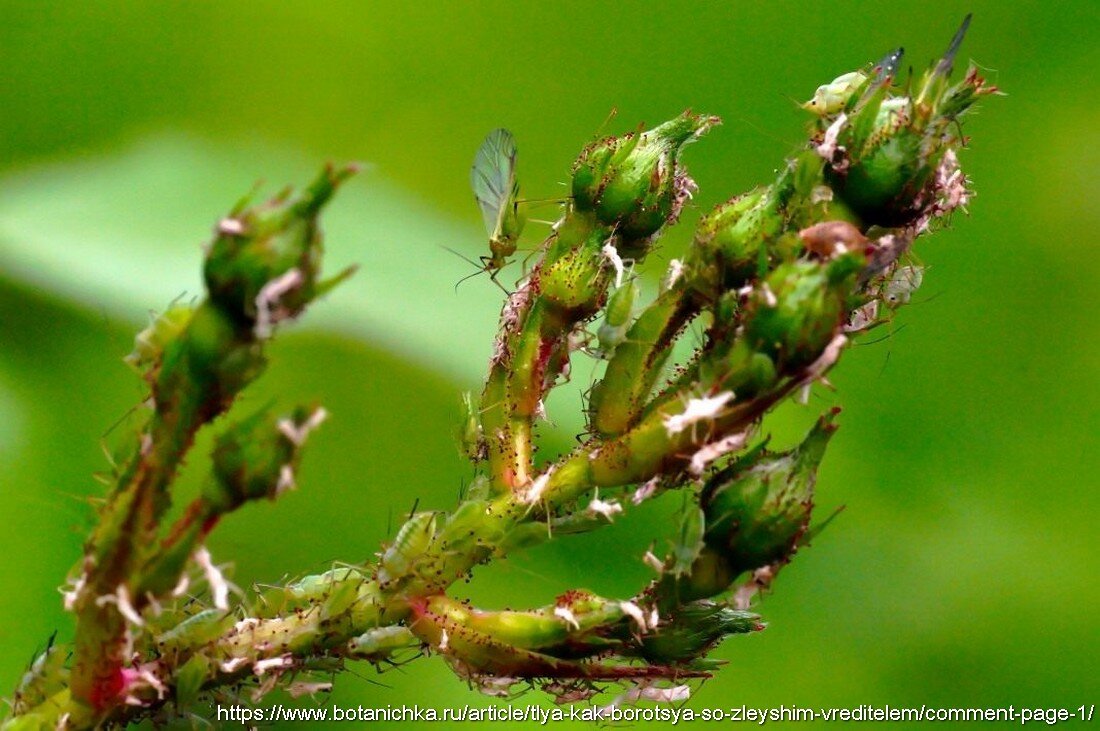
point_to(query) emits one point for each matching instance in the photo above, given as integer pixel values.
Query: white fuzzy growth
(154, 682)
(566, 615)
(444, 641)
(154, 604)
(828, 147)
(821, 194)
(605, 508)
(268, 309)
(612, 255)
(233, 664)
(710, 452)
(761, 579)
(494, 686)
(286, 480)
(675, 271)
(645, 491)
(644, 691)
(181, 586)
(769, 295)
(246, 625)
(302, 687)
(803, 397)
(540, 411)
(297, 434)
(697, 409)
(70, 596)
(121, 599)
(635, 612)
(230, 227)
(272, 663)
(826, 360)
(675, 694)
(950, 184)
(219, 587)
(534, 490)
(62, 722)
(653, 562)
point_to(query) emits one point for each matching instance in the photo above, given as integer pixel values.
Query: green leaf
(122, 234)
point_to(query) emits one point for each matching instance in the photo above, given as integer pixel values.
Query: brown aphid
(832, 238)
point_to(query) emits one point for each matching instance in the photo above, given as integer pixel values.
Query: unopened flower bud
(731, 242)
(796, 311)
(693, 629)
(256, 458)
(263, 265)
(882, 161)
(759, 507)
(635, 182)
(575, 283)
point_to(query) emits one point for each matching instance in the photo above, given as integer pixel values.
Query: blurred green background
(963, 571)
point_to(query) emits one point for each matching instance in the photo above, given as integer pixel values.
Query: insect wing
(493, 179)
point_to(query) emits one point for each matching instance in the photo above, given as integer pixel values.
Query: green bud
(886, 160)
(256, 458)
(796, 311)
(759, 507)
(635, 182)
(731, 242)
(212, 359)
(694, 629)
(575, 282)
(263, 265)
(743, 370)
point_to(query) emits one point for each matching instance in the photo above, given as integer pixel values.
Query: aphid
(898, 290)
(493, 179)
(833, 98)
(149, 344)
(412, 540)
(617, 318)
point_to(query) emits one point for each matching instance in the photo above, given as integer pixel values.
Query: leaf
(121, 233)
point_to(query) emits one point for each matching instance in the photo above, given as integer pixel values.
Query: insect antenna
(481, 269)
(470, 276)
(610, 118)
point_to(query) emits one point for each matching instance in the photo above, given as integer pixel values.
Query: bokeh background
(963, 571)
